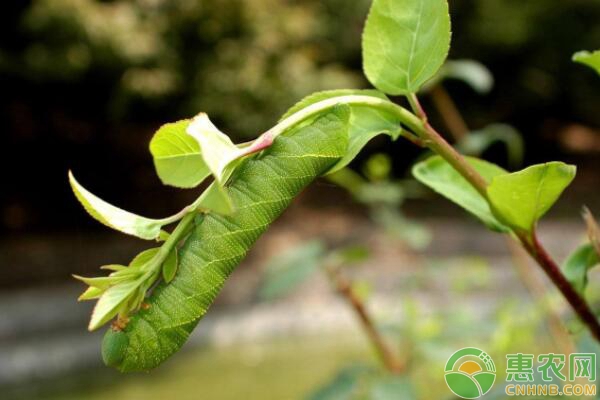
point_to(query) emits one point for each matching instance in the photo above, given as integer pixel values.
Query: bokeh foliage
(256, 57)
(97, 76)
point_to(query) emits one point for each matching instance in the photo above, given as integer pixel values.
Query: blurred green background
(85, 84)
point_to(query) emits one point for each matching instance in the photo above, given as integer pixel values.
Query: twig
(552, 270)
(344, 288)
(459, 130)
(558, 330)
(449, 113)
(437, 143)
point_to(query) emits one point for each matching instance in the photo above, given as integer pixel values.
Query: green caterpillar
(261, 188)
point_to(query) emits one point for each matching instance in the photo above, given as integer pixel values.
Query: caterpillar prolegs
(261, 189)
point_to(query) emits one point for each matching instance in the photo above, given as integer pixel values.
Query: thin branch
(459, 130)
(416, 106)
(414, 139)
(437, 143)
(421, 127)
(553, 271)
(449, 112)
(344, 288)
(538, 290)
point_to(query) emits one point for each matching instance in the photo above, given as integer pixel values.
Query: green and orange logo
(470, 373)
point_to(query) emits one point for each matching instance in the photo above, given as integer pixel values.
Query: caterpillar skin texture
(261, 188)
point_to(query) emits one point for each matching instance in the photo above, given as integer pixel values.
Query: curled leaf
(220, 156)
(118, 219)
(218, 151)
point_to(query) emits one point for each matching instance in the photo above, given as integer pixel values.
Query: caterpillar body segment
(261, 188)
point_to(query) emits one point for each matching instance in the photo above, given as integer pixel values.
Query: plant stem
(539, 291)
(552, 270)
(176, 236)
(437, 143)
(420, 126)
(449, 112)
(406, 117)
(416, 106)
(459, 130)
(344, 288)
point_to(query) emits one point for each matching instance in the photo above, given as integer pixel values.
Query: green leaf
(365, 122)
(471, 72)
(103, 282)
(521, 198)
(218, 151)
(169, 268)
(477, 142)
(215, 198)
(114, 267)
(143, 258)
(578, 264)
(405, 42)
(91, 293)
(186, 153)
(220, 155)
(177, 156)
(437, 174)
(116, 218)
(123, 290)
(163, 236)
(263, 187)
(111, 301)
(289, 269)
(591, 59)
